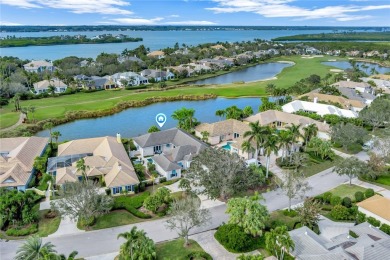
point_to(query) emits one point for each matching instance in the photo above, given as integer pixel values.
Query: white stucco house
(44, 86)
(132, 78)
(39, 66)
(171, 150)
(320, 109)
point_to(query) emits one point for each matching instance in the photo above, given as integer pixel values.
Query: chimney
(315, 99)
(118, 138)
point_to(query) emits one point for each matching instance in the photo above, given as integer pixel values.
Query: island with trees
(12, 41)
(338, 36)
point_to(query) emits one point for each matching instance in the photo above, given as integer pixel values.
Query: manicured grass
(346, 190)
(57, 107)
(313, 168)
(115, 218)
(47, 226)
(376, 183)
(279, 218)
(175, 249)
(384, 179)
(354, 149)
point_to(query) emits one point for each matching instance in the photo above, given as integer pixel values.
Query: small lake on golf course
(136, 121)
(369, 66)
(258, 72)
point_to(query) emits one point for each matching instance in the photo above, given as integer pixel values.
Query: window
(168, 145)
(116, 190)
(236, 135)
(129, 188)
(173, 174)
(278, 124)
(157, 149)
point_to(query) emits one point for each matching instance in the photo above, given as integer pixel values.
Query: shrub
(171, 181)
(141, 187)
(132, 203)
(353, 234)
(291, 213)
(108, 191)
(319, 198)
(347, 202)
(234, 239)
(87, 222)
(162, 179)
(157, 199)
(335, 200)
(360, 217)
(369, 193)
(385, 228)
(327, 196)
(199, 255)
(339, 212)
(359, 196)
(22, 231)
(373, 221)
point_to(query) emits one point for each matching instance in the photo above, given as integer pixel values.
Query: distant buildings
(171, 150)
(17, 157)
(39, 66)
(45, 85)
(157, 75)
(156, 54)
(320, 109)
(354, 105)
(360, 91)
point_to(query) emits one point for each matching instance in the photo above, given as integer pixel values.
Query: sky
(196, 12)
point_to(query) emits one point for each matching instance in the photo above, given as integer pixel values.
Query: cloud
(283, 8)
(5, 23)
(174, 16)
(76, 6)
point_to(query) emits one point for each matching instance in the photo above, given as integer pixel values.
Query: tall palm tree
(131, 237)
(31, 109)
(256, 134)
(248, 148)
(49, 126)
(279, 242)
(233, 112)
(295, 132)
(82, 167)
(270, 146)
(33, 249)
(56, 135)
(285, 142)
(309, 132)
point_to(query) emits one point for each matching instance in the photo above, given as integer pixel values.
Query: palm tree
(72, 256)
(270, 146)
(185, 118)
(56, 135)
(295, 132)
(52, 90)
(247, 147)
(205, 136)
(256, 134)
(82, 167)
(33, 249)
(309, 132)
(285, 141)
(279, 242)
(247, 111)
(49, 126)
(233, 112)
(31, 109)
(137, 245)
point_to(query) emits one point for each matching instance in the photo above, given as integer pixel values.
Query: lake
(258, 72)
(136, 121)
(152, 39)
(346, 65)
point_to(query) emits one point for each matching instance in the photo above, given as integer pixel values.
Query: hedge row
(18, 231)
(132, 204)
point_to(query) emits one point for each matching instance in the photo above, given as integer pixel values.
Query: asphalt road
(105, 241)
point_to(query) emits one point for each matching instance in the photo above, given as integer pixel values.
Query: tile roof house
(172, 150)
(17, 157)
(44, 86)
(320, 109)
(371, 244)
(156, 54)
(354, 105)
(39, 66)
(104, 156)
(377, 207)
(280, 120)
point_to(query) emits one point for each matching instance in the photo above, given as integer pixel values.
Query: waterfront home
(110, 83)
(320, 109)
(382, 85)
(91, 83)
(228, 135)
(39, 66)
(105, 157)
(368, 244)
(216, 63)
(156, 54)
(129, 79)
(157, 75)
(17, 157)
(377, 207)
(198, 68)
(361, 87)
(351, 93)
(45, 85)
(281, 120)
(354, 105)
(182, 69)
(171, 150)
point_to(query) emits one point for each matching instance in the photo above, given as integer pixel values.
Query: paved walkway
(209, 244)
(67, 227)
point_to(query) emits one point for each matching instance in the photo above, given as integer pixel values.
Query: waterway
(346, 65)
(153, 39)
(136, 121)
(258, 72)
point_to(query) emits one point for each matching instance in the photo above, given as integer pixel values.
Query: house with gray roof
(350, 93)
(370, 244)
(171, 150)
(157, 75)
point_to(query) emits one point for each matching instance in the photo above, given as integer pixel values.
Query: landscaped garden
(175, 250)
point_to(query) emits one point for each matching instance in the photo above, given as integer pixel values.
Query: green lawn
(115, 218)
(346, 190)
(57, 107)
(278, 217)
(354, 149)
(175, 250)
(384, 179)
(313, 168)
(47, 226)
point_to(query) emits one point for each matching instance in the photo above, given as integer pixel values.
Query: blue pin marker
(161, 119)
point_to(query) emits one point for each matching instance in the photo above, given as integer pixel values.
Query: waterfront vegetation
(343, 36)
(57, 107)
(62, 40)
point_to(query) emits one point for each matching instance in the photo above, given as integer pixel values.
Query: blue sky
(196, 12)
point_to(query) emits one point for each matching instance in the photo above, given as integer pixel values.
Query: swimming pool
(150, 160)
(227, 146)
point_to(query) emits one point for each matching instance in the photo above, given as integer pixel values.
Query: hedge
(199, 255)
(369, 193)
(132, 204)
(18, 231)
(234, 239)
(359, 196)
(385, 228)
(373, 221)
